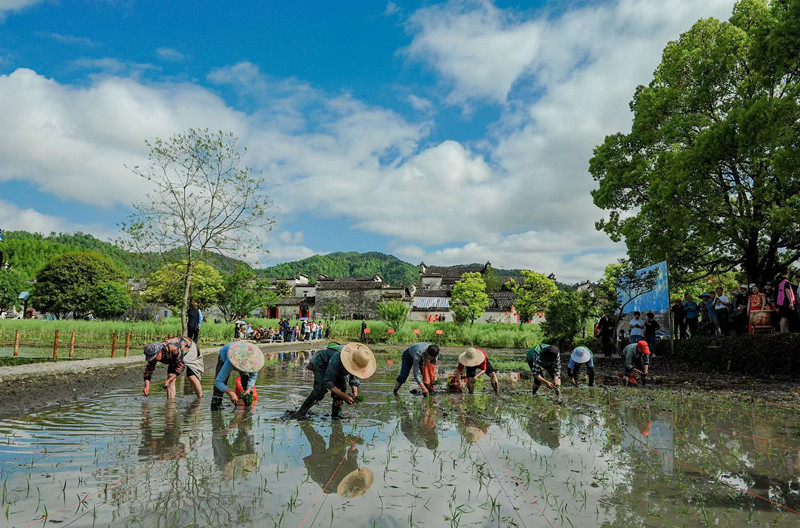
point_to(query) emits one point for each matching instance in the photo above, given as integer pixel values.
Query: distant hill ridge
(29, 252)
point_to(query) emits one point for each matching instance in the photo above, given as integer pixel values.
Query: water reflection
(165, 437)
(334, 467)
(418, 423)
(650, 434)
(545, 428)
(238, 457)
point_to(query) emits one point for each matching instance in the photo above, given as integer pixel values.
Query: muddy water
(606, 456)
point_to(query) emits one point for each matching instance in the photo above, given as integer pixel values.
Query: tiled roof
(296, 301)
(502, 301)
(432, 293)
(349, 284)
(451, 271)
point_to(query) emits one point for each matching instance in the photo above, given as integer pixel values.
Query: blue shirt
(329, 361)
(416, 352)
(712, 312)
(226, 369)
(690, 307)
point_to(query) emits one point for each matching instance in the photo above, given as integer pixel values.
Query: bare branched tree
(203, 198)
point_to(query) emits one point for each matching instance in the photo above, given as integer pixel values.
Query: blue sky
(450, 132)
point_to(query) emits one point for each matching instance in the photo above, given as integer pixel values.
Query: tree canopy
(394, 314)
(67, 283)
(533, 294)
(468, 300)
(166, 285)
(12, 283)
(708, 174)
(243, 293)
(110, 299)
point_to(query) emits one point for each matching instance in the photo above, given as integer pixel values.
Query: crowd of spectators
(746, 309)
(284, 332)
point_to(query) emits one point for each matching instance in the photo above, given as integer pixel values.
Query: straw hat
(471, 357)
(245, 356)
(356, 483)
(581, 355)
(240, 466)
(472, 434)
(359, 360)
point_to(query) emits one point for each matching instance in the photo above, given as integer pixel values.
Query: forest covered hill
(349, 264)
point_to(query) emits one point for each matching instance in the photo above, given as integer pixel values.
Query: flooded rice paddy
(606, 456)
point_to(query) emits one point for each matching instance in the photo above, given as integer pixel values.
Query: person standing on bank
(179, 354)
(194, 320)
(722, 306)
(785, 301)
(651, 326)
(637, 327)
(545, 358)
(336, 367)
(690, 309)
(606, 324)
(414, 359)
(477, 363)
(242, 357)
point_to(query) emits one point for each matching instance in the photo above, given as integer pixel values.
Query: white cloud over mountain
(518, 196)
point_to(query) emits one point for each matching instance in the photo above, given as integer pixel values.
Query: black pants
(608, 345)
(216, 398)
(692, 323)
(194, 333)
(722, 317)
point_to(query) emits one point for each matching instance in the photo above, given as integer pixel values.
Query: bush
(747, 354)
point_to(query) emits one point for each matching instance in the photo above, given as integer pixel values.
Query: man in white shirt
(722, 306)
(637, 328)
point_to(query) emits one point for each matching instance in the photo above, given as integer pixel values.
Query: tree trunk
(187, 283)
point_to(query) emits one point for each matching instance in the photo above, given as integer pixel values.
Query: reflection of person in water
(420, 427)
(329, 466)
(170, 442)
(234, 458)
(545, 429)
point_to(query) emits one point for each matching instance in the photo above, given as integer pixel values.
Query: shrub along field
(94, 338)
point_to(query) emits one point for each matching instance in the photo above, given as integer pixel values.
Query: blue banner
(655, 300)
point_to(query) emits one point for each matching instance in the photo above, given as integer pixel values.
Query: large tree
(166, 285)
(244, 293)
(708, 175)
(12, 283)
(533, 294)
(203, 198)
(67, 283)
(110, 299)
(468, 300)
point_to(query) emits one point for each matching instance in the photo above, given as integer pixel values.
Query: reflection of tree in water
(325, 465)
(418, 424)
(715, 442)
(170, 440)
(234, 458)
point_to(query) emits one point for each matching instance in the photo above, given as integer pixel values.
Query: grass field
(94, 338)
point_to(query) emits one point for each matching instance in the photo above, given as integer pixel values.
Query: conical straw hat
(356, 483)
(240, 466)
(359, 360)
(245, 356)
(471, 357)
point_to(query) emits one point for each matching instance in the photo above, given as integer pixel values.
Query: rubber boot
(308, 404)
(336, 411)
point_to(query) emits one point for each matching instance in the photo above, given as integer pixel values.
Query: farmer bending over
(579, 357)
(335, 367)
(477, 363)
(178, 353)
(415, 359)
(544, 358)
(637, 360)
(244, 358)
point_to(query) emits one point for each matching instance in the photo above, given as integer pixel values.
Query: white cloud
(419, 104)
(391, 9)
(286, 246)
(14, 218)
(12, 6)
(68, 39)
(170, 54)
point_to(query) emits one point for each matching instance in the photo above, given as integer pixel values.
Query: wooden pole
(127, 343)
(114, 346)
(55, 346)
(72, 345)
(16, 344)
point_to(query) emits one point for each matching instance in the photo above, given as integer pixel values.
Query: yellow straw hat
(471, 357)
(359, 360)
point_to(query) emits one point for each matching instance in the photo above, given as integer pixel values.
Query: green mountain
(349, 264)
(29, 252)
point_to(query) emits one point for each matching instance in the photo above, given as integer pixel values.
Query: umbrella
(304, 318)
(240, 322)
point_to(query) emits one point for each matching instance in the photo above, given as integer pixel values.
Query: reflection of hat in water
(472, 434)
(245, 356)
(645, 428)
(583, 421)
(581, 355)
(471, 357)
(356, 483)
(359, 360)
(240, 466)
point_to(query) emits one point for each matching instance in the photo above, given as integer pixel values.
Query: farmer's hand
(348, 399)
(354, 390)
(232, 395)
(146, 391)
(574, 381)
